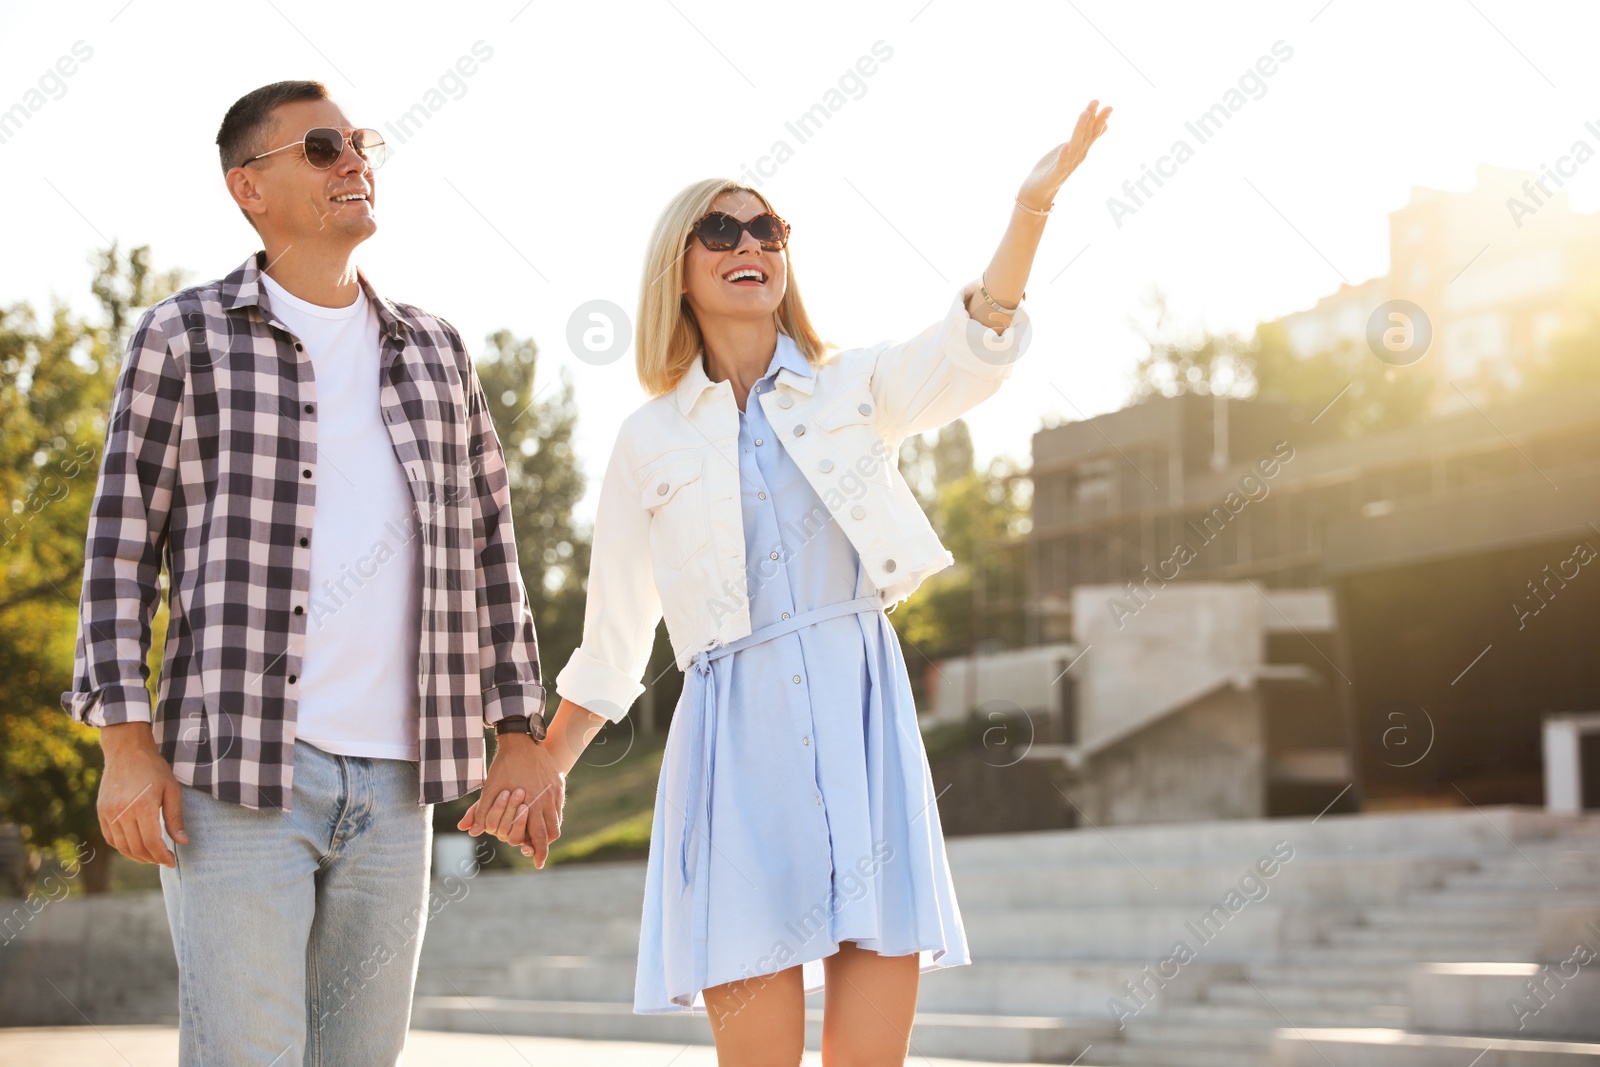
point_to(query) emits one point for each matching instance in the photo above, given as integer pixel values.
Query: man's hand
(137, 789)
(522, 798)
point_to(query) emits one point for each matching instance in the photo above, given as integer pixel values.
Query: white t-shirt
(358, 678)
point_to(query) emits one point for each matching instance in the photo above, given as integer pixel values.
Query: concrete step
(1423, 912)
(1311, 991)
(1145, 934)
(1130, 1055)
(1313, 1011)
(1151, 1041)
(1465, 937)
(461, 941)
(586, 978)
(999, 987)
(1006, 987)
(1242, 841)
(1377, 1047)
(1325, 973)
(1308, 881)
(1455, 897)
(1399, 958)
(1153, 1029)
(997, 1038)
(1524, 1001)
(1305, 995)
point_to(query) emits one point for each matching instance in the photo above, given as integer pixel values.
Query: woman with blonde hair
(755, 502)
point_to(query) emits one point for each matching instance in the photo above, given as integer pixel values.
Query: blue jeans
(298, 933)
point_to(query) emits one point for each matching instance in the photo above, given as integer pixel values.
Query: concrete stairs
(103, 960)
(1337, 958)
(1062, 923)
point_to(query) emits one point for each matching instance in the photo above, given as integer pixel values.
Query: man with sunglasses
(316, 467)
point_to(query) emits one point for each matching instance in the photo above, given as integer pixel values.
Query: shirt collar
(243, 288)
(789, 365)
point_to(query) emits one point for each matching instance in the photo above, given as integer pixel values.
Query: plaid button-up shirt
(210, 466)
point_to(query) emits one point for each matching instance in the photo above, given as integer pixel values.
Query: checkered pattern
(210, 467)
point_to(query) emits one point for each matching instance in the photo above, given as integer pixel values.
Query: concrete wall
(1151, 655)
(1025, 680)
(105, 958)
(1206, 761)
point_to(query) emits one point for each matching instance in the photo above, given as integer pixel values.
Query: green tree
(981, 516)
(1573, 358)
(56, 381)
(934, 459)
(1372, 395)
(1180, 361)
(534, 422)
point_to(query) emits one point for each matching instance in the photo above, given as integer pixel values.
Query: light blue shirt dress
(795, 808)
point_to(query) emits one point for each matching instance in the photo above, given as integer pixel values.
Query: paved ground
(157, 1046)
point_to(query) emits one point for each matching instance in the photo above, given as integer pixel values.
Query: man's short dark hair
(242, 127)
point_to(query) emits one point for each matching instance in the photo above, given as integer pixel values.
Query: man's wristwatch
(516, 724)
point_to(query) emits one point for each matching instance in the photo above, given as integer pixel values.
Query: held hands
(1050, 173)
(522, 798)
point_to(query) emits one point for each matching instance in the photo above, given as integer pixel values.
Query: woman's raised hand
(1050, 173)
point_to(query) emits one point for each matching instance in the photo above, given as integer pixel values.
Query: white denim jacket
(669, 532)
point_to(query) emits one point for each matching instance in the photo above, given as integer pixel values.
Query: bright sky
(532, 187)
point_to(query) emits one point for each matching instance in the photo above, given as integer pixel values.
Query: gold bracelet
(1034, 210)
(983, 289)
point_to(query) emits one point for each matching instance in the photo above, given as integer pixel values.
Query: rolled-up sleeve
(623, 605)
(127, 534)
(946, 370)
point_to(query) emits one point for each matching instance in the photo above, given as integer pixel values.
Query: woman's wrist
(1026, 206)
(573, 727)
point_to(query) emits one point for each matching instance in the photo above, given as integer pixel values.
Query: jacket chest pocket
(674, 495)
(856, 448)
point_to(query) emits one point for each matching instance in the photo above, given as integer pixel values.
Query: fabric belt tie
(703, 722)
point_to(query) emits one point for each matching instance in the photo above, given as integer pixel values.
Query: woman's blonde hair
(669, 338)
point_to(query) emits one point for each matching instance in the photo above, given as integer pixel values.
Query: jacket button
(304, 541)
(306, 473)
(786, 401)
(799, 431)
(888, 565)
(825, 466)
(865, 409)
(859, 512)
(298, 610)
(308, 409)
(661, 490)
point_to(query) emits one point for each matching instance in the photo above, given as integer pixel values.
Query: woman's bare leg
(869, 1004)
(759, 1021)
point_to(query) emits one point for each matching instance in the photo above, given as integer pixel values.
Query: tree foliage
(1372, 395)
(56, 381)
(980, 516)
(534, 421)
(56, 384)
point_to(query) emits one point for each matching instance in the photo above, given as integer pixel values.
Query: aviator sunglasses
(721, 232)
(324, 145)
